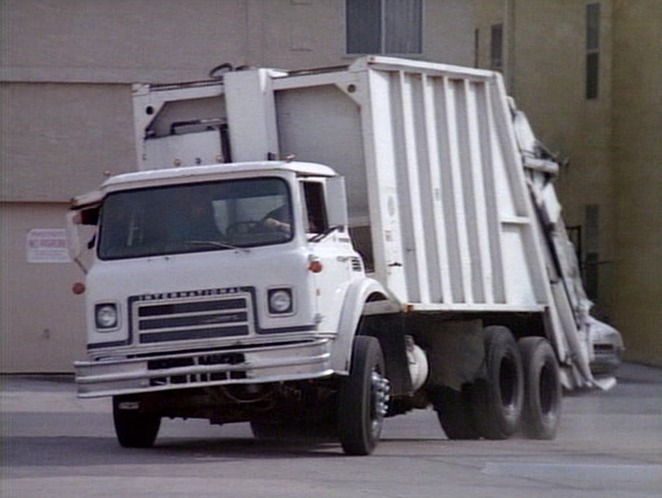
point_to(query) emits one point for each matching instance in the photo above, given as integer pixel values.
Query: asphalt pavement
(609, 445)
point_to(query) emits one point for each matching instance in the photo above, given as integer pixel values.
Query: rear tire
(133, 427)
(363, 399)
(542, 388)
(454, 412)
(499, 398)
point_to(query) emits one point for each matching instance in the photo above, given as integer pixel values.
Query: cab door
(333, 260)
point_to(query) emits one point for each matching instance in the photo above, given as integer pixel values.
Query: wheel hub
(380, 388)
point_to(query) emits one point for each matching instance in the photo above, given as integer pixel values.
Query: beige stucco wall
(41, 321)
(120, 40)
(544, 69)
(612, 142)
(637, 160)
(60, 139)
(549, 75)
(66, 119)
(171, 40)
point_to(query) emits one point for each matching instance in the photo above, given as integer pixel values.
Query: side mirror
(73, 220)
(76, 219)
(336, 201)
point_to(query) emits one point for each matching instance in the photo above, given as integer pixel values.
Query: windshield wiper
(216, 243)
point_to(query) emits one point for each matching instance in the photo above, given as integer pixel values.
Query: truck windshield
(211, 216)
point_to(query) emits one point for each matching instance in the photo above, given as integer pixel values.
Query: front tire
(363, 399)
(134, 428)
(542, 388)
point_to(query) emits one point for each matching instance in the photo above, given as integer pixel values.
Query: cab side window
(313, 193)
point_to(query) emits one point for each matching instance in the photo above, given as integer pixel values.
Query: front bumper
(297, 360)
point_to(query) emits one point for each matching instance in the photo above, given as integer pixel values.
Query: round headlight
(280, 301)
(106, 316)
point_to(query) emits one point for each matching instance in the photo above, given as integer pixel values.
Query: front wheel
(134, 427)
(363, 399)
(542, 388)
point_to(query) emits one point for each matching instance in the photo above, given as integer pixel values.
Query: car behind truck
(314, 251)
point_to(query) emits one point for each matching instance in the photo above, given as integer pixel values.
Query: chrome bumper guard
(244, 365)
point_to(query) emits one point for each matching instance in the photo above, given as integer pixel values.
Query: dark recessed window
(592, 49)
(384, 26)
(496, 47)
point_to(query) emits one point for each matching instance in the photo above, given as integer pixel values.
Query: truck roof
(300, 168)
(194, 173)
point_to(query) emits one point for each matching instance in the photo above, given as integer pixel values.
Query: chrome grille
(191, 316)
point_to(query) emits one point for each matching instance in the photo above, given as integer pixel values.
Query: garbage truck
(314, 251)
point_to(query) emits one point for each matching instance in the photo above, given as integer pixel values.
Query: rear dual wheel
(498, 399)
(521, 390)
(454, 411)
(491, 406)
(542, 388)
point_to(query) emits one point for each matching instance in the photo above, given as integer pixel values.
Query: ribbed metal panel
(449, 203)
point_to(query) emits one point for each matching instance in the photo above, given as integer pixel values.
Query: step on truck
(313, 251)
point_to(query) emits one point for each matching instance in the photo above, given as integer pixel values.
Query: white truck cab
(214, 255)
